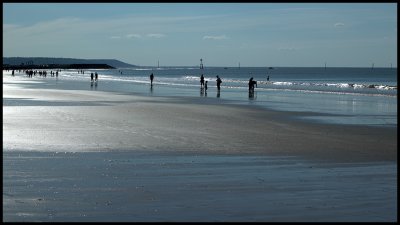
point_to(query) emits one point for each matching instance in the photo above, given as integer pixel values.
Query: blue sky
(222, 34)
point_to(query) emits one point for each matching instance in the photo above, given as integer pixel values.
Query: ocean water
(357, 96)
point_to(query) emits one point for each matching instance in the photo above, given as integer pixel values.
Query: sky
(222, 34)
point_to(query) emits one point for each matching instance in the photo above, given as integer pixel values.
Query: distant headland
(61, 63)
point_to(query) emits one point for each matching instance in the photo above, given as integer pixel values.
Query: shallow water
(343, 94)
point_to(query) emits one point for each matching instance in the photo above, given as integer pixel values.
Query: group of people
(31, 73)
(96, 76)
(252, 83)
(203, 84)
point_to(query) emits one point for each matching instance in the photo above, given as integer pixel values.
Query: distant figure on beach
(205, 86)
(268, 78)
(151, 79)
(12, 73)
(251, 84)
(57, 73)
(201, 81)
(91, 77)
(219, 81)
(96, 76)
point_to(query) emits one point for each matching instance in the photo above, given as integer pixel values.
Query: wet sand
(82, 155)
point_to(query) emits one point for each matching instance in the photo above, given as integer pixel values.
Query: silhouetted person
(96, 76)
(219, 81)
(251, 87)
(91, 77)
(251, 84)
(57, 73)
(151, 79)
(201, 81)
(268, 78)
(12, 73)
(205, 86)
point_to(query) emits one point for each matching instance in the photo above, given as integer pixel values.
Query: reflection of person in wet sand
(151, 79)
(251, 95)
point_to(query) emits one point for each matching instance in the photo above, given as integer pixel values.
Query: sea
(347, 96)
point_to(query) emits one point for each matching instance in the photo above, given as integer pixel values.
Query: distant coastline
(57, 66)
(62, 63)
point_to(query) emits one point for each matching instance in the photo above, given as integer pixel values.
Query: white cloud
(155, 35)
(133, 36)
(10, 26)
(221, 37)
(339, 24)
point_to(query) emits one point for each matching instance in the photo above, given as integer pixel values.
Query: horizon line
(136, 65)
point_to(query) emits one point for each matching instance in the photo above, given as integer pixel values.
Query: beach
(91, 155)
